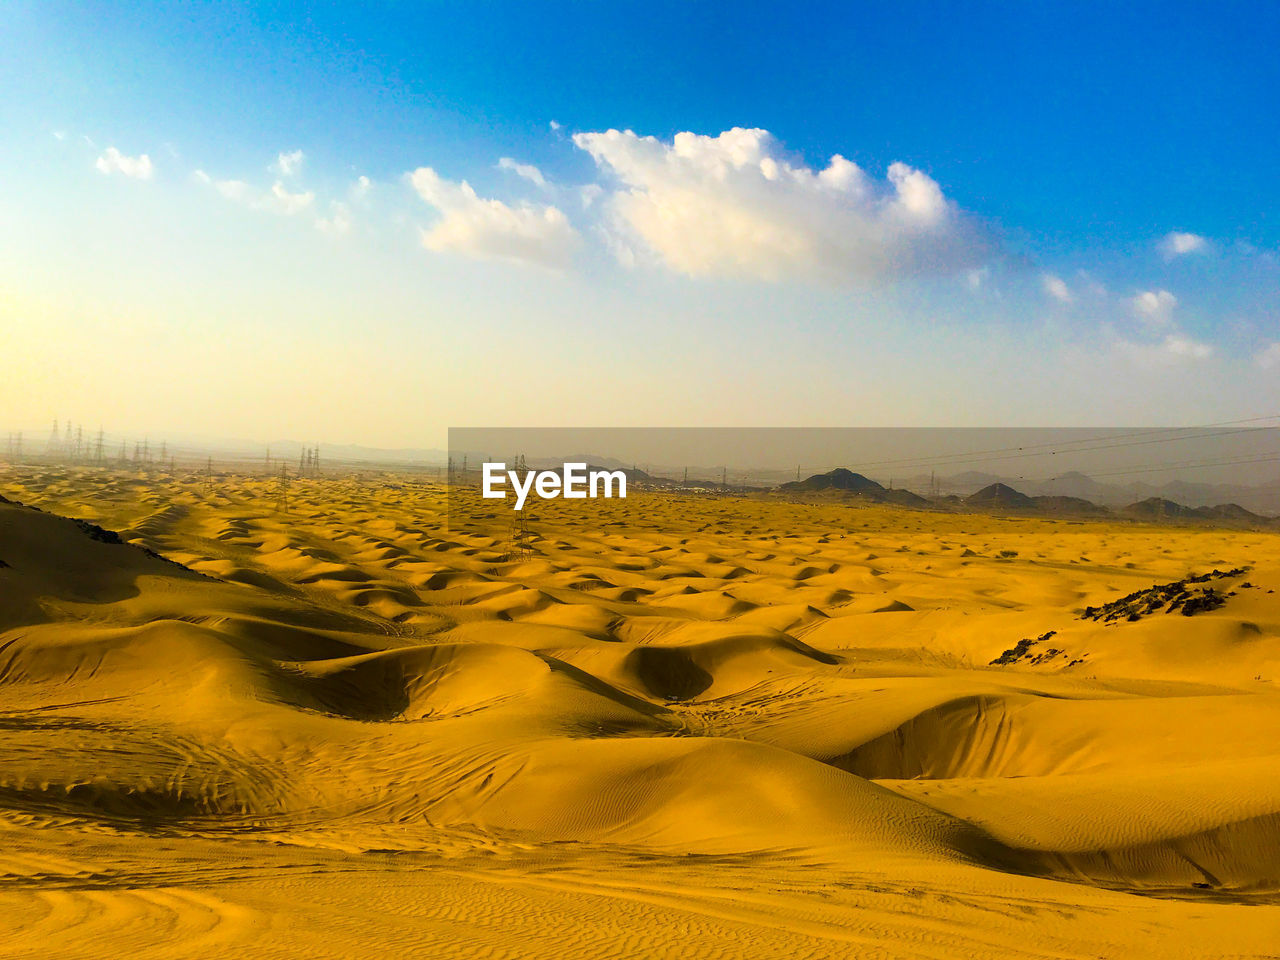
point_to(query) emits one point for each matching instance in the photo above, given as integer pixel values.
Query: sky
(368, 223)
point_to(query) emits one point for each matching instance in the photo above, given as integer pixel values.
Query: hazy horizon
(1238, 453)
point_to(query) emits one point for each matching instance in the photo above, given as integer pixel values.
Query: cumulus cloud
(281, 200)
(1268, 357)
(1179, 244)
(490, 229)
(526, 170)
(360, 188)
(735, 205)
(1056, 287)
(113, 161)
(288, 164)
(1155, 307)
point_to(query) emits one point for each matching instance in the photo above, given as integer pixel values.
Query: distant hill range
(1000, 497)
(1261, 499)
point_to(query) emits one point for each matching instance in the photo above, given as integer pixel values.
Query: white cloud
(1269, 357)
(113, 161)
(1155, 307)
(490, 229)
(1178, 244)
(60, 134)
(1056, 287)
(554, 125)
(276, 200)
(360, 188)
(1176, 349)
(236, 190)
(288, 164)
(975, 279)
(1180, 345)
(281, 200)
(526, 170)
(735, 205)
(337, 223)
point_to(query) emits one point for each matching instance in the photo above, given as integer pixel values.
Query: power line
(1060, 446)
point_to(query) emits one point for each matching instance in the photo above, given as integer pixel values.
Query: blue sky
(1044, 214)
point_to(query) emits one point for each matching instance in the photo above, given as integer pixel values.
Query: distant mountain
(1073, 484)
(1158, 508)
(1263, 499)
(903, 498)
(837, 479)
(1230, 511)
(843, 481)
(1000, 495)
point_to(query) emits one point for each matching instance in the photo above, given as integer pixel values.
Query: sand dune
(672, 727)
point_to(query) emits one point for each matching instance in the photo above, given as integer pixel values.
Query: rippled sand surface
(672, 726)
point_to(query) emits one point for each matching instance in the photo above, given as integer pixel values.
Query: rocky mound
(1189, 596)
(838, 479)
(1002, 496)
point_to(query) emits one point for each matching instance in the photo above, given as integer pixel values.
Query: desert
(665, 726)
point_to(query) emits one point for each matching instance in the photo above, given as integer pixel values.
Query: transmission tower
(521, 544)
(282, 490)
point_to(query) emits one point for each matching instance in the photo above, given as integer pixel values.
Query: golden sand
(671, 727)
